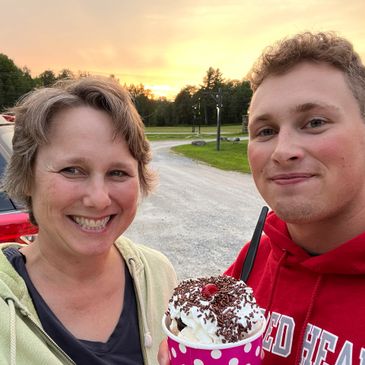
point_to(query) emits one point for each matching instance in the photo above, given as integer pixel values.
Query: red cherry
(209, 290)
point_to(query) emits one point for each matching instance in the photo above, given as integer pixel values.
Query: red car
(14, 221)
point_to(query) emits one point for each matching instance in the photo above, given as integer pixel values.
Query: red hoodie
(315, 305)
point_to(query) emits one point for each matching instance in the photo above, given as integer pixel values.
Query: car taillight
(9, 118)
(15, 225)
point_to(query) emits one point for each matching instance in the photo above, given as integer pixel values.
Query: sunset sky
(163, 44)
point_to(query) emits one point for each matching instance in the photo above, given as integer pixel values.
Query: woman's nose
(97, 194)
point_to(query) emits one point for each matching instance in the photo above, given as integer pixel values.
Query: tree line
(193, 105)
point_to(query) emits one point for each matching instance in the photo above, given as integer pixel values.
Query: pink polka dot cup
(182, 352)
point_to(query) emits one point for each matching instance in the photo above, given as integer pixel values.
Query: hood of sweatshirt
(346, 259)
(15, 301)
(145, 266)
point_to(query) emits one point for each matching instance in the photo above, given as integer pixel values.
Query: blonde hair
(324, 47)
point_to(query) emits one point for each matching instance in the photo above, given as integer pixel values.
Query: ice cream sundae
(214, 310)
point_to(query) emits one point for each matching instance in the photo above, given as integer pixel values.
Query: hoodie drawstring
(35, 328)
(309, 313)
(273, 288)
(12, 328)
(147, 335)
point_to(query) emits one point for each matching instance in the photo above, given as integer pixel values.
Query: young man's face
(307, 144)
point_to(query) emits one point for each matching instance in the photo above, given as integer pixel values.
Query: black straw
(254, 244)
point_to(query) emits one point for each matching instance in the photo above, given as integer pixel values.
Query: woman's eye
(118, 173)
(71, 171)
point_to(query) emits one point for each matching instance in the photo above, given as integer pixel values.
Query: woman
(80, 293)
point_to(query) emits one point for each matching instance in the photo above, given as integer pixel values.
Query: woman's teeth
(93, 224)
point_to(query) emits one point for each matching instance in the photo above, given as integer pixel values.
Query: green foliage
(163, 113)
(46, 78)
(183, 106)
(66, 74)
(144, 102)
(14, 82)
(196, 106)
(213, 79)
(193, 105)
(232, 156)
(236, 99)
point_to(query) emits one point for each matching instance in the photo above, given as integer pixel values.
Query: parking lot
(199, 216)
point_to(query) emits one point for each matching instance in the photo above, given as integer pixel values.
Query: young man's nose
(287, 148)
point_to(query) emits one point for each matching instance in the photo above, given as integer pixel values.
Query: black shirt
(123, 346)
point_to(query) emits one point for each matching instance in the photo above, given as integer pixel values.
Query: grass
(188, 136)
(237, 128)
(186, 132)
(232, 156)
(163, 137)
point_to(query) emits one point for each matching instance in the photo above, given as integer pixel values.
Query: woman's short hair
(324, 47)
(34, 112)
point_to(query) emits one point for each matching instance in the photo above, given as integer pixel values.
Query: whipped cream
(216, 309)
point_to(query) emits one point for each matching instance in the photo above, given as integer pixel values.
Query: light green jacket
(22, 339)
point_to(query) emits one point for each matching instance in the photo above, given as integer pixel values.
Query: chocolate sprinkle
(222, 307)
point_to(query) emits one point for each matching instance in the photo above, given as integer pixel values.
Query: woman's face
(86, 185)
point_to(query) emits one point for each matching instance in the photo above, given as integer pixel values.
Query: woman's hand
(163, 354)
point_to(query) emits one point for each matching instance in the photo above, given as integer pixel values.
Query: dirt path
(199, 216)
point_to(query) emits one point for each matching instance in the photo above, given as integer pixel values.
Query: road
(199, 216)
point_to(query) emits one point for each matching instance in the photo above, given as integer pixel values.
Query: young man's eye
(265, 132)
(315, 123)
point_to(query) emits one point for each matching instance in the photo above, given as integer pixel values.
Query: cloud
(160, 42)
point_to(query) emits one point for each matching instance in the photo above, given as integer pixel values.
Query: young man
(307, 155)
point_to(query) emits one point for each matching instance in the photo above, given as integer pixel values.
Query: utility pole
(218, 98)
(196, 115)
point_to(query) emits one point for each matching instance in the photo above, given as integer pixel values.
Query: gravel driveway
(199, 216)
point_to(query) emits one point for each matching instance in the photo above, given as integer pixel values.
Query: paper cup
(183, 352)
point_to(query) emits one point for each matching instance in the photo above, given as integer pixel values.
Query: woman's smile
(91, 224)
